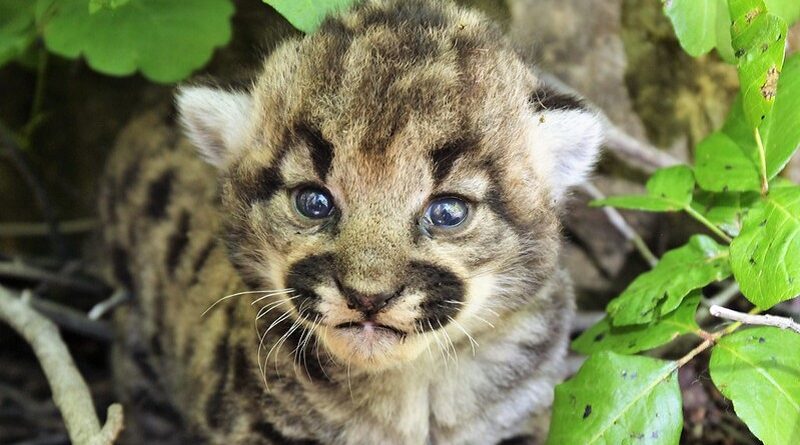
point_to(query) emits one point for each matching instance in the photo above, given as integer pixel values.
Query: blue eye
(314, 203)
(446, 212)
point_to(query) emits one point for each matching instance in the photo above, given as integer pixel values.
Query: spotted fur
(391, 333)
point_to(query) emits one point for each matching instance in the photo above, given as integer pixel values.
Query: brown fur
(386, 107)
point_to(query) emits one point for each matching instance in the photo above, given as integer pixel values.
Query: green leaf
(725, 210)
(759, 370)
(634, 338)
(668, 190)
(759, 40)
(306, 15)
(788, 10)
(765, 257)
(724, 165)
(694, 25)
(618, 399)
(17, 29)
(728, 160)
(96, 5)
(165, 39)
(692, 30)
(723, 31)
(680, 271)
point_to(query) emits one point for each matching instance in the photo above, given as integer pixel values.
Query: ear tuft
(216, 121)
(565, 138)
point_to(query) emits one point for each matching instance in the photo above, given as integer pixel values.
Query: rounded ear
(216, 121)
(565, 137)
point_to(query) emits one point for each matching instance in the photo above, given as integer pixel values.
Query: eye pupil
(314, 203)
(447, 212)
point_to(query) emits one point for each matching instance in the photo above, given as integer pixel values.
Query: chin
(370, 347)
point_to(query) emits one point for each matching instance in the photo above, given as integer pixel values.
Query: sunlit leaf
(306, 15)
(727, 160)
(700, 262)
(759, 370)
(694, 23)
(668, 190)
(765, 257)
(165, 39)
(758, 39)
(641, 337)
(724, 210)
(618, 399)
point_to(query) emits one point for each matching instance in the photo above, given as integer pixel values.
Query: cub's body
(244, 328)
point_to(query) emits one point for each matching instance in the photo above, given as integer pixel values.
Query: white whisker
(474, 344)
(227, 297)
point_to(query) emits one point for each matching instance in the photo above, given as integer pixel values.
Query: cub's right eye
(313, 202)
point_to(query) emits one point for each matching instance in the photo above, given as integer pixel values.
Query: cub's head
(401, 171)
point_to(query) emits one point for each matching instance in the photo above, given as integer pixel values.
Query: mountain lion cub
(368, 254)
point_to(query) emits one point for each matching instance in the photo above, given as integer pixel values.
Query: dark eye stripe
(444, 157)
(546, 98)
(320, 149)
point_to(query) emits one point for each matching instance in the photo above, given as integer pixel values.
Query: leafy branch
(735, 192)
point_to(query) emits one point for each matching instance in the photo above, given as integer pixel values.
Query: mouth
(368, 327)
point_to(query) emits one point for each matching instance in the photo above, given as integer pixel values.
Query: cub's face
(398, 175)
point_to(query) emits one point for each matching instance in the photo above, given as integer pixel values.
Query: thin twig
(72, 320)
(583, 320)
(17, 270)
(35, 115)
(760, 320)
(14, 153)
(634, 152)
(51, 439)
(70, 393)
(721, 298)
(622, 226)
(119, 297)
(18, 230)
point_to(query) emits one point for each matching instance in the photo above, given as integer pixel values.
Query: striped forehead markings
(320, 149)
(444, 157)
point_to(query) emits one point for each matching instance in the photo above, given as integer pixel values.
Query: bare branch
(761, 320)
(120, 297)
(585, 319)
(72, 320)
(18, 230)
(18, 270)
(721, 298)
(637, 154)
(634, 152)
(16, 156)
(622, 226)
(70, 393)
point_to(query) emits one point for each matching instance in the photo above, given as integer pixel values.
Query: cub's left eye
(314, 203)
(446, 213)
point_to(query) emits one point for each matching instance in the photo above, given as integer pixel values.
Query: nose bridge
(371, 251)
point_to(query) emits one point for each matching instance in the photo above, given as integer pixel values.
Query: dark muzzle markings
(442, 289)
